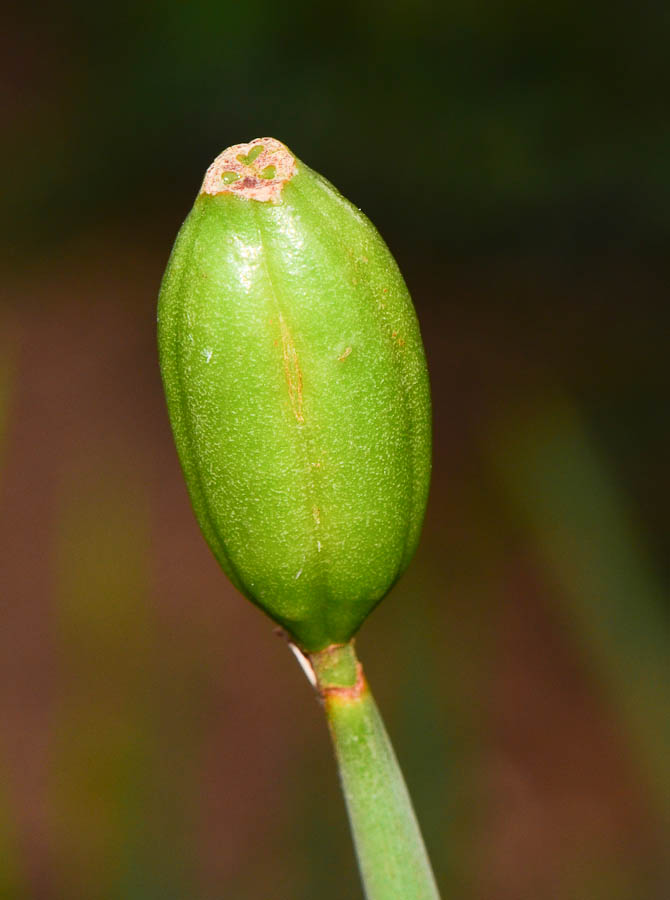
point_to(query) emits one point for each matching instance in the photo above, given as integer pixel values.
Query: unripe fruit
(297, 391)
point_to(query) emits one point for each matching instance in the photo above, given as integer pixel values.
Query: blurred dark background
(158, 741)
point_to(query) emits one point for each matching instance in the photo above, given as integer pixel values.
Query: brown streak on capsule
(292, 370)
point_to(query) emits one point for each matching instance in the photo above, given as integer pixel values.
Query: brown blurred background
(158, 741)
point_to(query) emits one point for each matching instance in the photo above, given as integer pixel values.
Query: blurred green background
(158, 741)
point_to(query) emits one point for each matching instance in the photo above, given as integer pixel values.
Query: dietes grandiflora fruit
(297, 391)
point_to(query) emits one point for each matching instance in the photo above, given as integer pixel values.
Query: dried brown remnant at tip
(233, 172)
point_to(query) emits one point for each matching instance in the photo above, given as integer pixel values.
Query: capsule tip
(254, 171)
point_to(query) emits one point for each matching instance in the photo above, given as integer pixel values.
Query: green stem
(391, 854)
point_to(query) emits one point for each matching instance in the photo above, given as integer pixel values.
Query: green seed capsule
(297, 391)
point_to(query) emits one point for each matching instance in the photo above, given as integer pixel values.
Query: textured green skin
(298, 395)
